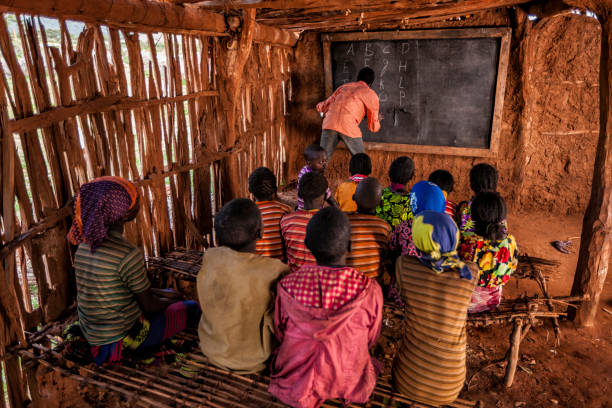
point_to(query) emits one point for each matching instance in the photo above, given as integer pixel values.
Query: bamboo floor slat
(205, 385)
(209, 386)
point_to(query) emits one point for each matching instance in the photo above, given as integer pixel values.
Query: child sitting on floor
(491, 248)
(436, 286)
(369, 234)
(424, 196)
(360, 167)
(483, 178)
(316, 161)
(293, 225)
(235, 289)
(262, 184)
(444, 180)
(120, 315)
(395, 203)
(327, 318)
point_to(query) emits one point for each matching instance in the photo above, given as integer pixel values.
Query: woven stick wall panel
(89, 100)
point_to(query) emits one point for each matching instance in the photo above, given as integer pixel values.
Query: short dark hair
(312, 185)
(360, 164)
(312, 151)
(262, 184)
(238, 223)
(327, 234)
(401, 170)
(483, 177)
(443, 179)
(366, 75)
(489, 214)
(368, 193)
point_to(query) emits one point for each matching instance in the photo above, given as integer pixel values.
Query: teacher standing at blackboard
(344, 111)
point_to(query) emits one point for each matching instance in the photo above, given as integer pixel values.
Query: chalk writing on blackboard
(437, 92)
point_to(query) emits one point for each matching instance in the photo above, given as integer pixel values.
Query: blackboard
(439, 90)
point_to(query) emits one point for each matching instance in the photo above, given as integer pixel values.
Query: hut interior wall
(551, 109)
(79, 101)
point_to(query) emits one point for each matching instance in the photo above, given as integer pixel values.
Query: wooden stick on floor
(513, 353)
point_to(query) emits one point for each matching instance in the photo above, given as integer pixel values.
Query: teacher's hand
(381, 116)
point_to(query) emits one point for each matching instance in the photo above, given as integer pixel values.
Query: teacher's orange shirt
(345, 109)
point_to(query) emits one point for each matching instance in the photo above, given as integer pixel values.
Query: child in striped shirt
(369, 234)
(360, 167)
(293, 226)
(262, 184)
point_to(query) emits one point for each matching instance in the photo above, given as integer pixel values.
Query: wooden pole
(139, 14)
(232, 71)
(596, 239)
(513, 353)
(145, 15)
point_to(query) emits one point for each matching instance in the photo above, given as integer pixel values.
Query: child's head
(426, 196)
(316, 157)
(312, 190)
(443, 179)
(238, 225)
(360, 164)
(483, 177)
(401, 170)
(366, 75)
(367, 195)
(328, 236)
(489, 213)
(262, 184)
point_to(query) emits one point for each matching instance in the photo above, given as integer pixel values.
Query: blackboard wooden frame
(504, 33)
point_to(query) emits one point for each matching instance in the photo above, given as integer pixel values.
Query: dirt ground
(578, 373)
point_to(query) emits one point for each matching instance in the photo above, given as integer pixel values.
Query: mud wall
(561, 116)
(551, 94)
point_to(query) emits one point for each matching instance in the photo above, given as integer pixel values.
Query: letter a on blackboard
(350, 50)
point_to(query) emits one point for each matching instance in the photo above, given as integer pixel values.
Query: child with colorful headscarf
(436, 286)
(113, 291)
(491, 248)
(425, 195)
(395, 202)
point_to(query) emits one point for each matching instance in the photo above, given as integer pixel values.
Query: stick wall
(82, 101)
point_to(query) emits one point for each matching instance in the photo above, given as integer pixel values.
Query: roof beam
(357, 5)
(144, 15)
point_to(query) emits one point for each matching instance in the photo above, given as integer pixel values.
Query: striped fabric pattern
(451, 209)
(271, 242)
(430, 365)
(106, 283)
(369, 243)
(293, 230)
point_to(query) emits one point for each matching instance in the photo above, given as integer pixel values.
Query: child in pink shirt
(327, 317)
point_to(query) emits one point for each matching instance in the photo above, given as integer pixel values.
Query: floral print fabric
(394, 208)
(496, 261)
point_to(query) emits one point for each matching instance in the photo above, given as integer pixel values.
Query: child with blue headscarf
(425, 195)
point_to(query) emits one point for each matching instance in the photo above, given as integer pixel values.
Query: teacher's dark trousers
(330, 138)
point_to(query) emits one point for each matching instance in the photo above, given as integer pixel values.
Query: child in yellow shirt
(360, 167)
